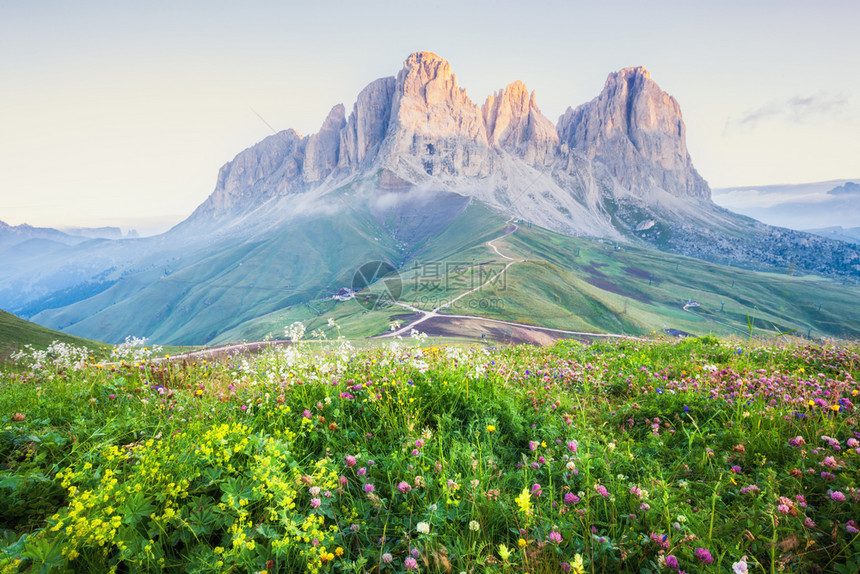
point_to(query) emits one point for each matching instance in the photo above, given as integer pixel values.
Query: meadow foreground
(704, 455)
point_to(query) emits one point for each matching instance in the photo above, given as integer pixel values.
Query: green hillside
(16, 332)
(582, 285)
(573, 283)
(252, 289)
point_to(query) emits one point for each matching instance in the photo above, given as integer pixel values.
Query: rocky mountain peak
(321, 152)
(434, 124)
(636, 130)
(514, 123)
(426, 75)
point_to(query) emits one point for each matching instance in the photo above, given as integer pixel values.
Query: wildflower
(536, 490)
(523, 501)
(521, 542)
(829, 462)
(704, 555)
(601, 490)
(387, 558)
(661, 541)
(18, 417)
(362, 471)
(315, 502)
(491, 428)
(410, 563)
(851, 527)
(533, 445)
(555, 537)
(577, 567)
(672, 562)
(404, 487)
(571, 498)
(314, 490)
(809, 523)
(368, 488)
(740, 567)
(572, 446)
(504, 552)
(837, 496)
(474, 526)
(423, 528)
(350, 460)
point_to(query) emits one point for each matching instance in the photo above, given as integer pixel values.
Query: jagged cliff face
(635, 129)
(367, 126)
(434, 121)
(422, 127)
(514, 123)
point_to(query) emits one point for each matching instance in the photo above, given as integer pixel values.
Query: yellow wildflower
(577, 566)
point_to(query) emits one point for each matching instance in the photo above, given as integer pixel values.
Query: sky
(120, 113)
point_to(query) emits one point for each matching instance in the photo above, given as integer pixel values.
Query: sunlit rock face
(423, 127)
(635, 129)
(367, 126)
(435, 122)
(514, 123)
(321, 151)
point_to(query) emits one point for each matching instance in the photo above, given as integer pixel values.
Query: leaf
(135, 507)
(43, 551)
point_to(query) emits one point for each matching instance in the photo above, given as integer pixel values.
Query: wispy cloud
(796, 109)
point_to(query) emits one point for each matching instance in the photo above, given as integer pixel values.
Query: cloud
(796, 109)
(754, 198)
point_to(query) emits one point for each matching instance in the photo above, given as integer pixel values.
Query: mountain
(849, 235)
(11, 235)
(415, 161)
(98, 232)
(798, 206)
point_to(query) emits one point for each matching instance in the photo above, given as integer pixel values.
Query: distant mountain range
(797, 206)
(415, 161)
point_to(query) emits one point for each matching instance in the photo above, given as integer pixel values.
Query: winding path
(426, 315)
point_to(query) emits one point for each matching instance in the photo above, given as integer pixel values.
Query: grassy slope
(253, 290)
(570, 283)
(587, 285)
(16, 332)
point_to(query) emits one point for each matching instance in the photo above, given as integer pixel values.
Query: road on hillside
(427, 315)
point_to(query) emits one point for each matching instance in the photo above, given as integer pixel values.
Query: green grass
(575, 283)
(321, 458)
(15, 333)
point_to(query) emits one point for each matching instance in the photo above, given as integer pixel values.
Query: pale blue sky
(122, 113)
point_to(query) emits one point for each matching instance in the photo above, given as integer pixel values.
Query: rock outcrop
(321, 151)
(514, 123)
(635, 129)
(435, 122)
(367, 125)
(422, 126)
